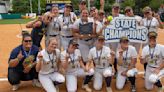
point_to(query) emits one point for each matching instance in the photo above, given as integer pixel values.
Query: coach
(22, 63)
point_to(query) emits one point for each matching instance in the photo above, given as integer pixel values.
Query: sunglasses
(115, 8)
(127, 11)
(147, 12)
(27, 40)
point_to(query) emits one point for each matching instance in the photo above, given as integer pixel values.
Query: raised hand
(120, 51)
(20, 56)
(40, 56)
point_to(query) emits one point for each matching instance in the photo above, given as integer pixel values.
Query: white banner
(125, 26)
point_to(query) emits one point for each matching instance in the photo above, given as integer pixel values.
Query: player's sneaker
(87, 88)
(133, 88)
(109, 89)
(15, 87)
(36, 83)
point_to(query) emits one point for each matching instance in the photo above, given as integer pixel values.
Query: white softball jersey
(154, 56)
(49, 61)
(73, 59)
(100, 57)
(127, 56)
(151, 24)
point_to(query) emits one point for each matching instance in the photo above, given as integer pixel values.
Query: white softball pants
(47, 80)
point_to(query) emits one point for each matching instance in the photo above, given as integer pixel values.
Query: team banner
(125, 26)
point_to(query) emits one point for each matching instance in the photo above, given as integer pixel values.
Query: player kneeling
(153, 55)
(100, 55)
(47, 66)
(127, 57)
(73, 67)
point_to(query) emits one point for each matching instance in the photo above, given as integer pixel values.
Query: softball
(109, 18)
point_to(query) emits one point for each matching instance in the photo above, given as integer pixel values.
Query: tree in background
(20, 6)
(23, 6)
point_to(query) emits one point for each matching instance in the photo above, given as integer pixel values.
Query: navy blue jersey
(33, 51)
(37, 34)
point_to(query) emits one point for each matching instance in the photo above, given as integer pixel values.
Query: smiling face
(152, 41)
(100, 43)
(67, 10)
(52, 44)
(27, 42)
(72, 48)
(55, 10)
(129, 13)
(124, 44)
(82, 6)
(84, 15)
(115, 11)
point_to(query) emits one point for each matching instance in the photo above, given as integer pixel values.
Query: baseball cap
(128, 8)
(68, 5)
(124, 38)
(73, 42)
(101, 37)
(152, 34)
(82, 1)
(93, 8)
(146, 9)
(115, 5)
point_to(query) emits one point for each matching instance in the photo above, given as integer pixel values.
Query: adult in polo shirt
(22, 63)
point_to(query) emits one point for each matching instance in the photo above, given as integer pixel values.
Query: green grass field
(14, 21)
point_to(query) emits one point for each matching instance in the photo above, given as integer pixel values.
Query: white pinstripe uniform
(152, 25)
(66, 30)
(127, 55)
(53, 30)
(86, 44)
(49, 71)
(101, 60)
(154, 57)
(74, 70)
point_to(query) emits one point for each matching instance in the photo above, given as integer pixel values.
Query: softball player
(114, 45)
(129, 13)
(47, 66)
(66, 31)
(100, 56)
(153, 55)
(152, 23)
(54, 27)
(72, 63)
(127, 57)
(85, 30)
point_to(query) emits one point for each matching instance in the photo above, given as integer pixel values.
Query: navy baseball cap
(152, 34)
(73, 42)
(124, 38)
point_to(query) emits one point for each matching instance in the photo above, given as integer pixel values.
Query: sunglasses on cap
(27, 40)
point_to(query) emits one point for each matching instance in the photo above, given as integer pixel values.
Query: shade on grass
(14, 21)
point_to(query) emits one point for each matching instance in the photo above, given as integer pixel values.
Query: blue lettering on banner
(126, 26)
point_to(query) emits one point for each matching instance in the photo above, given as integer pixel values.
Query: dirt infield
(9, 39)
